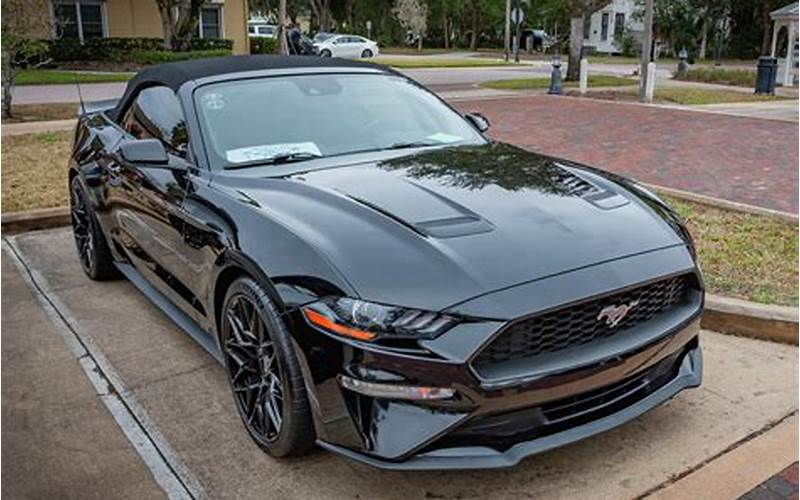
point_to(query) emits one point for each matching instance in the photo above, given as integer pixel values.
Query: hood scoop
(421, 210)
(578, 186)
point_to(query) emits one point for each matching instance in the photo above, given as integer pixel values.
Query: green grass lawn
(436, 62)
(543, 83)
(752, 257)
(54, 76)
(609, 59)
(723, 76)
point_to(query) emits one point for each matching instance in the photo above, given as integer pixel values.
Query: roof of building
(175, 74)
(787, 11)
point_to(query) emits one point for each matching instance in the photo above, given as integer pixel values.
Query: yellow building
(85, 19)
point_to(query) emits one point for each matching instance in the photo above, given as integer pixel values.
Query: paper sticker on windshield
(444, 138)
(267, 151)
(213, 101)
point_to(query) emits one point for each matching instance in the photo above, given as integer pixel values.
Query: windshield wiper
(412, 144)
(276, 160)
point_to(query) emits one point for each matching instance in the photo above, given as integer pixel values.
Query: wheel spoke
(253, 367)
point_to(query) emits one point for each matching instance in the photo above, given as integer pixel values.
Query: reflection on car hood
(460, 222)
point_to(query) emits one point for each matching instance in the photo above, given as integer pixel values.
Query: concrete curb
(722, 314)
(751, 319)
(722, 203)
(29, 220)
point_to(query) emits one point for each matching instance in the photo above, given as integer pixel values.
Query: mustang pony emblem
(614, 314)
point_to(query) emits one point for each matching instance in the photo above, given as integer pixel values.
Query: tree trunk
(8, 76)
(445, 31)
(766, 30)
(473, 43)
(167, 23)
(704, 39)
(575, 46)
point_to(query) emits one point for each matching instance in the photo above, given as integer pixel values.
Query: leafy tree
(179, 20)
(413, 17)
(23, 28)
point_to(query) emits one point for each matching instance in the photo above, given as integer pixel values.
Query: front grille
(501, 431)
(579, 324)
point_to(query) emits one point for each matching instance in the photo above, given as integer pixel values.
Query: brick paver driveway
(746, 160)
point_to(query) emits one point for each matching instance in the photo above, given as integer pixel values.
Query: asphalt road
(180, 398)
(31, 94)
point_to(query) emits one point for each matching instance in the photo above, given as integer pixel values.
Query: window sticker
(267, 151)
(444, 138)
(214, 101)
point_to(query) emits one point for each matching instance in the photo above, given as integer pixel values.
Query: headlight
(368, 321)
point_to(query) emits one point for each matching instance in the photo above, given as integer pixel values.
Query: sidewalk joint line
(169, 472)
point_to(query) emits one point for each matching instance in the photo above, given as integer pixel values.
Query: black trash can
(767, 74)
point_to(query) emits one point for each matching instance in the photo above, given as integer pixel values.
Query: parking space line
(169, 472)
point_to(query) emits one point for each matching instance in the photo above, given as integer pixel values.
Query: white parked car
(346, 46)
(262, 30)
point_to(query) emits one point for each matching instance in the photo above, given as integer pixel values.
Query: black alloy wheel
(93, 251)
(263, 371)
(325, 53)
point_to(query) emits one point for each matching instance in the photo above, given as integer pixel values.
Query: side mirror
(478, 121)
(144, 152)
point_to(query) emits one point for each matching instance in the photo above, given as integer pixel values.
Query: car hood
(433, 229)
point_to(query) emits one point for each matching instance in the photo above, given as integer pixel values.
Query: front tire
(325, 53)
(264, 371)
(93, 252)
(366, 54)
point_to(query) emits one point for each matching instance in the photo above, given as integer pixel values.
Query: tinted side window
(156, 113)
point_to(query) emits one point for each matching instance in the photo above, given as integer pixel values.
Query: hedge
(123, 49)
(163, 56)
(263, 45)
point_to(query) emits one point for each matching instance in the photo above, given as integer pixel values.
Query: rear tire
(325, 53)
(366, 54)
(264, 371)
(93, 251)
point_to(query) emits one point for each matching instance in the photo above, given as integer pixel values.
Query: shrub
(122, 50)
(164, 56)
(627, 43)
(261, 45)
(211, 44)
(736, 77)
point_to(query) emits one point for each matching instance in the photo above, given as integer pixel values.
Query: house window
(587, 26)
(619, 24)
(604, 27)
(210, 25)
(81, 19)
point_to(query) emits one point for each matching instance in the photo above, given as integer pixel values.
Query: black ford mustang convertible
(376, 276)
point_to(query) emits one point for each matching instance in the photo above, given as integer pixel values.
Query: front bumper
(497, 426)
(687, 373)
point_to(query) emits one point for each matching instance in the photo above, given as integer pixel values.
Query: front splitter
(479, 457)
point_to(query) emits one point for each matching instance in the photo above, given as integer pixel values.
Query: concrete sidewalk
(59, 441)
(748, 387)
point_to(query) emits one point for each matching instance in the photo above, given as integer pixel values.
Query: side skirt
(174, 313)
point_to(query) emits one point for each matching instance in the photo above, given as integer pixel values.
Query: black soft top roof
(175, 74)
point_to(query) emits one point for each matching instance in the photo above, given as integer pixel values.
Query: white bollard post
(584, 82)
(651, 82)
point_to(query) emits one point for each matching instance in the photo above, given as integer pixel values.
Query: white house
(600, 29)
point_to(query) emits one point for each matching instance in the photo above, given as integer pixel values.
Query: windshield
(296, 118)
